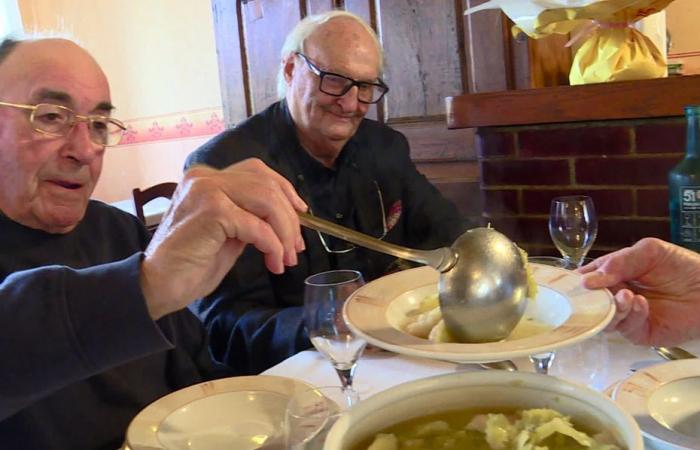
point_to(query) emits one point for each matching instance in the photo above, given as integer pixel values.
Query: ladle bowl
(483, 281)
(484, 295)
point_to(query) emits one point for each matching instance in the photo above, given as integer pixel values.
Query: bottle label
(690, 214)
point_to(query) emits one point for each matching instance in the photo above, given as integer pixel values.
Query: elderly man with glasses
(93, 322)
(351, 170)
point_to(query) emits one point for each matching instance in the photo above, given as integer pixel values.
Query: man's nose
(350, 100)
(80, 146)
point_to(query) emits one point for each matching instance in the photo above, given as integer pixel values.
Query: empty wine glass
(324, 296)
(573, 227)
(542, 362)
(311, 413)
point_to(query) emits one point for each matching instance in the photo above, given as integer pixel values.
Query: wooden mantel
(661, 97)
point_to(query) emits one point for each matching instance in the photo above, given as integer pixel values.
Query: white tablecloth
(598, 363)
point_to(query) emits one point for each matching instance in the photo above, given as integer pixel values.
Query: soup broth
(462, 429)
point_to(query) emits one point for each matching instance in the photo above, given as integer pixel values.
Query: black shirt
(258, 314)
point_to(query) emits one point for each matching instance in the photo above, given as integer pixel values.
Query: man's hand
(214, 214)
(657, 291)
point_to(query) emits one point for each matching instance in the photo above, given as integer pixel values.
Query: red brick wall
(622, 165)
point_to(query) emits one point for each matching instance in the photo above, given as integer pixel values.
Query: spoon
(482, 286)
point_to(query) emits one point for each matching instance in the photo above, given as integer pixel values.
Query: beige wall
(160, 58)
(683, 17)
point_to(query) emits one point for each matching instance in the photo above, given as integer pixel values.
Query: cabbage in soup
(509, 429)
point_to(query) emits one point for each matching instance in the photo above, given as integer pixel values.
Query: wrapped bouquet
(611, 48)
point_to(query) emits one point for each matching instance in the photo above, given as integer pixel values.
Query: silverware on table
(673, 353)
(506, 365)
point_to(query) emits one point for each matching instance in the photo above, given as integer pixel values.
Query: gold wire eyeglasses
(58, 121)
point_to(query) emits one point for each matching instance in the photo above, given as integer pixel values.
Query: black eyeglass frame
(352, 247)
(75, 118)
(322, 74)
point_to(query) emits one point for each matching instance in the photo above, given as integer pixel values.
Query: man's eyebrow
(65, 99)
(57, 96)
(104, 106)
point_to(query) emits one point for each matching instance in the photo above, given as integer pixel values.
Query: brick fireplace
(615, 142)
(622, 164)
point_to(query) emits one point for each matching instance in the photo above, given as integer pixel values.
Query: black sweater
(81, 356)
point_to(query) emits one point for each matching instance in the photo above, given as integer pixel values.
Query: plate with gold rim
(244, 413)
(562, 314)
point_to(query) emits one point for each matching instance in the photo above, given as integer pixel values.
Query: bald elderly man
(351, 170)
(93, 324)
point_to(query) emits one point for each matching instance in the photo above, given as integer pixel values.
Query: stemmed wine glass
(573, 227)
(324, 296)
(311, 413)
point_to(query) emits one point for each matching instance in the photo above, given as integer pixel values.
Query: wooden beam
(485, 50)
(232, 62)
(661, 97)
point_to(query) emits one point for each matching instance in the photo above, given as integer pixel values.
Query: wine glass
(573, 227)
(311, 413)
(324, 296)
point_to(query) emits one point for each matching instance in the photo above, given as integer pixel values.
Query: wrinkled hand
(657, 291)
(214, 214)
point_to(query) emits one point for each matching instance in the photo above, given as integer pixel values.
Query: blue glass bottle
(684, 188)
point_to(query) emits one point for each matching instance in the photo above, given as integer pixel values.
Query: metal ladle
(483, 282)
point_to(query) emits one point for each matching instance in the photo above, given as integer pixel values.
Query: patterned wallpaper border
(203, 122)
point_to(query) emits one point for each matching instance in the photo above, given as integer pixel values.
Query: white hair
(295, 40)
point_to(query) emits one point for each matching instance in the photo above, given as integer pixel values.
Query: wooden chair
(141, 197)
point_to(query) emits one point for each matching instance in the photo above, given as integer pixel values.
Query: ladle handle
(442, 259)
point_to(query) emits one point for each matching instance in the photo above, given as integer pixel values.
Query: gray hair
(295, 40)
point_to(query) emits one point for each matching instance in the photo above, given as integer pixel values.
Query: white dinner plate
(665, 401)
(244, 413)
(569, 312)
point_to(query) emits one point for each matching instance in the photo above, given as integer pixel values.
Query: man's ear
(288, 65)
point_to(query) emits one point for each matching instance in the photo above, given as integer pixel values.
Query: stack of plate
(665, 401)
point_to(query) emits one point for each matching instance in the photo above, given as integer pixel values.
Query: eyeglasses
(328, 241)
(56, 120)
(338, 85)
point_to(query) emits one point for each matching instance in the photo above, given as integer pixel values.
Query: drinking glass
(324, 296)
(311, 413)
(586, 362)
(573, 227)
(541, 362)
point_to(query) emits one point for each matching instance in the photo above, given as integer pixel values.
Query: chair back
(141, 197)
